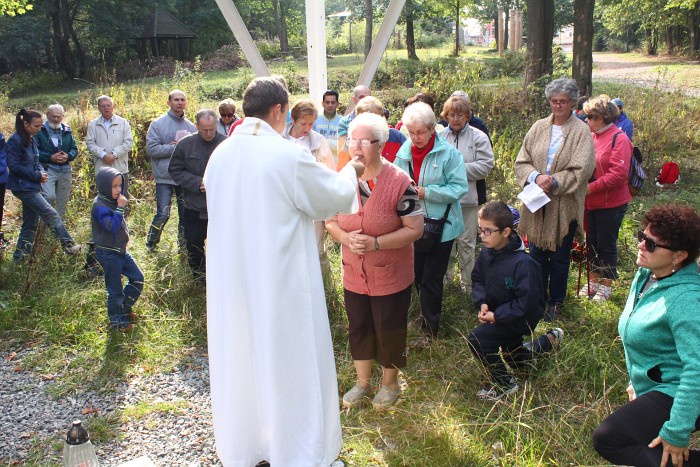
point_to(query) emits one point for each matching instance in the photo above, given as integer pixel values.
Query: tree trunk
(694, 29)
(540, 30)
(456, 53)
(62, 51)
(670, 44)
(582, 65)
(652, 39)
(410, 32)
(369, 19)
(68, 19)
(506, 22)
(279, 15)
(494, 32)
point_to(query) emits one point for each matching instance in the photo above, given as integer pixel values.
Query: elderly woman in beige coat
(558, 155)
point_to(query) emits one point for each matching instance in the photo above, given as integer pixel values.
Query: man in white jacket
(274, 391)
(109, 139)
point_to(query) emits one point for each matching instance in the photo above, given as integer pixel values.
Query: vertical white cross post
(315, 43)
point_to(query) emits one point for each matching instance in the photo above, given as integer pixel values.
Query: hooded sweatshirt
(660, 330)
(509, 281)
(109, 230)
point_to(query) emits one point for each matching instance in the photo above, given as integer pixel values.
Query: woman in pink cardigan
(607, 195)
(377, 253)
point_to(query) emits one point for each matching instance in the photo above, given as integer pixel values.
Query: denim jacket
(445, 180)
(23, 162)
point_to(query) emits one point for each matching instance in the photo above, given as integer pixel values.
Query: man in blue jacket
(623, 122)
(57, 149)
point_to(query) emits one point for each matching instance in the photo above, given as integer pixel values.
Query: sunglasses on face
(649, 244)
(226, 115)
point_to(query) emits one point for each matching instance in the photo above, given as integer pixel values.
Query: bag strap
(447, 209)
(615, 139)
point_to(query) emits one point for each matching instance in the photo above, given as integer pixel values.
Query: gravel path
(614, 68)
(178, 432)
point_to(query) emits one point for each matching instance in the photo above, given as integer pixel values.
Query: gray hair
(58, 107)
(460, 93)
(103, 98)
(377, 125)
(205, 114)
(419, 113)
(562, 85)
(262, 94)
(359, 88)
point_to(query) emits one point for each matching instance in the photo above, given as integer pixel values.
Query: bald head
(360, 92)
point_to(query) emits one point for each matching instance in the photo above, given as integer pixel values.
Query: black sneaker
(554, 312)
(496, 393)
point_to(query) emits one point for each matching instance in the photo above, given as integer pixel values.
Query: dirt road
(644, 72)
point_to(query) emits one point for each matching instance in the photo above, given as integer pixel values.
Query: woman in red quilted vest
(377, 256)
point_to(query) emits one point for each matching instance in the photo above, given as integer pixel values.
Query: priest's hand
(358, 166)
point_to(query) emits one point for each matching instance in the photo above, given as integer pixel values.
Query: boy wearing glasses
(508, 293)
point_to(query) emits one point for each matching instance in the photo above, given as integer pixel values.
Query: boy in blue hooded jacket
(110, 234)
(508, 294)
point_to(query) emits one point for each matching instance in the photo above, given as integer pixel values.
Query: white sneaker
(558, 335)
(588, 290)
(602, 294)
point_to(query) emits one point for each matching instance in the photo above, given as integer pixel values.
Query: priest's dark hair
(263, 93)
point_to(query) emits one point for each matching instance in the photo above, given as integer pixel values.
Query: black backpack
(637, 175)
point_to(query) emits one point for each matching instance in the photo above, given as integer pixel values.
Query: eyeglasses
(649, 244)
(226, 115)
(365, 143)
(487, 232)
(419, 133)
(560, 103)
(593, 117)
(456, 116)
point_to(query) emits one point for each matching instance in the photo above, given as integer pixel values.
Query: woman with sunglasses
(437, 168)
(377, 249)
(227, 116)
(607, 196)
(660, 331)
(558, 155)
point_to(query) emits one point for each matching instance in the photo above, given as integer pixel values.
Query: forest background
(60, 324)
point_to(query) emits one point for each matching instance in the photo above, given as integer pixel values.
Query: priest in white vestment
(273, 379)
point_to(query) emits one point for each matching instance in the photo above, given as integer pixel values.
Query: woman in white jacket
(300, 131)
(477, 152)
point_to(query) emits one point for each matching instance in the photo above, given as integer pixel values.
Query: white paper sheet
(533, 197)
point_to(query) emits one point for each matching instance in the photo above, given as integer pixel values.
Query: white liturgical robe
(273, 380)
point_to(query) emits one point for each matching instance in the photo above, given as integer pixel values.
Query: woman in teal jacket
(438, 170)
(660, 330)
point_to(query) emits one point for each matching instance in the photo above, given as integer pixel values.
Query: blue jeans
(555, 266)
(120, 299)
(602, 230)
(56, 190)
(164, 195)
(35, 207)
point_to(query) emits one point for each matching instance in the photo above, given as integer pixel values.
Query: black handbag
(432, 233)
(432, 230)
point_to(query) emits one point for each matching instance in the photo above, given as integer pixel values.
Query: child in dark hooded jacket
(110, 234)
(508, 294)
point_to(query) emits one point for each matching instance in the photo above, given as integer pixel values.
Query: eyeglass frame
(650, 244)
(593, 117)
(559, 103)
(231, 115)
(364, 143)
(488, 232)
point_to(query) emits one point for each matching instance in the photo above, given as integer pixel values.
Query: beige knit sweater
(572, 167)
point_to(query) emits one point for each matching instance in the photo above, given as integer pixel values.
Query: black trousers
(603, 229)
(486, 340)
(195, 236)
(430, 269)
(624, 436)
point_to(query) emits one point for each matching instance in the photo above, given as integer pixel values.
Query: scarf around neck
(419, 155)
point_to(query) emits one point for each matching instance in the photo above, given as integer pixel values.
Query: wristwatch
(376, 243)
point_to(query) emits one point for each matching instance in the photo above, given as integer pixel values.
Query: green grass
(50, 308)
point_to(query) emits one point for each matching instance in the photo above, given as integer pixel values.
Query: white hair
(58, 107)
(377, 125)
(419, 113)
